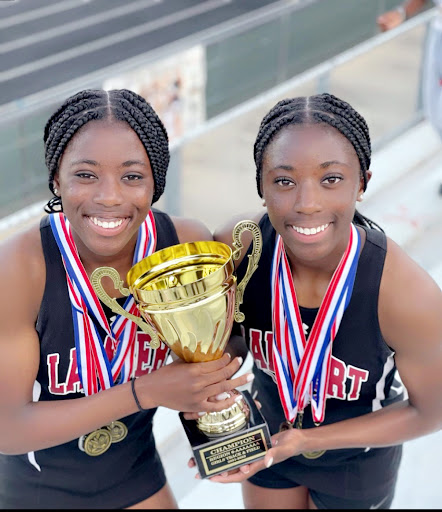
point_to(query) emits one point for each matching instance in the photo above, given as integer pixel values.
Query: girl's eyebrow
(128, 163)
(284, 167)
(324, 165)
(84, 161)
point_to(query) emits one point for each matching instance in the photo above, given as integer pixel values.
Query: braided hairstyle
(318, 109)
(98, 104)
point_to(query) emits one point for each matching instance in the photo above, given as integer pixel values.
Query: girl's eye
(132, 177)
(331, 180)
(85, 174)
(283, 182)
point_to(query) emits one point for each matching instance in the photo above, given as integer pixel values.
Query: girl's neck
(311, 279)
(122, 262)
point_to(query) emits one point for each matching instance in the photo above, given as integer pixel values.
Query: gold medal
(287, 425)
(313, 455)
(118, 431)
(97, 442)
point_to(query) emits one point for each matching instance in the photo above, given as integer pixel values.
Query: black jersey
(361, 377)
(64, 476)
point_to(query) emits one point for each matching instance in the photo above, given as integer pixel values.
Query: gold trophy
(188, 297)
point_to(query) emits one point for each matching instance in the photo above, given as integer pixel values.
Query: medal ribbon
(94, 368)
(302, 367)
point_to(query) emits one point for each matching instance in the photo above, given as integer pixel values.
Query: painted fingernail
(240, 360)
(269, 462)
(250, 377)
(222, 396)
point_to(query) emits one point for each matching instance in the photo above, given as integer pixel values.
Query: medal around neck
(188, 298)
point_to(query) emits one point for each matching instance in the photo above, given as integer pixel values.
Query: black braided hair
(97, 104)
(320, 108)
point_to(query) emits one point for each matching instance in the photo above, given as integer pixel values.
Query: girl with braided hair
(333, 310)
(76, 429)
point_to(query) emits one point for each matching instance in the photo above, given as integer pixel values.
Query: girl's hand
(284, 445)
(189, 386)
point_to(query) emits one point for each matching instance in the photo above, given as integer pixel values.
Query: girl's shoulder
(409, 298)
(224, 232)
(23, 269)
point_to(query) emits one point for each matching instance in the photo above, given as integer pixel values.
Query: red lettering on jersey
(109, 347)
(147, 359)
(269, 344)
(54, 387)
(262, 352)
(357, 376)
(336, 383)
(257, 349)
(73, 384)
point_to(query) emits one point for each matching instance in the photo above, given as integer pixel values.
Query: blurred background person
(432, 67)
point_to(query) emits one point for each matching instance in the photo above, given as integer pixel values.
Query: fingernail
(197, 476)
(201, 413)
(275, 442)
(225, 474)
(222, 396)
(269, 462)
(229, 355)
(240, 360)
(245, 470)
(250, 377)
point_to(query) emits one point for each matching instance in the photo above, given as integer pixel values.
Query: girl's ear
(361, 185)
(56, 184)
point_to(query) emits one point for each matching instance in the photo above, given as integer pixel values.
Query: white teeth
(310, 231)
(107, 225)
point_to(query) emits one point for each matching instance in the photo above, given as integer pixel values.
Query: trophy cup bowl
(188, 297)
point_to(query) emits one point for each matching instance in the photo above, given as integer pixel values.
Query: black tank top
(64, 476)
(362, 369)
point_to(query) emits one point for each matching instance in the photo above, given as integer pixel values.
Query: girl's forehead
(310, 141)
(96, 134)
(105, 141)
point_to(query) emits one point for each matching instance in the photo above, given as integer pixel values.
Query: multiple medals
(96, 371)
(100, 440)
(302, 367)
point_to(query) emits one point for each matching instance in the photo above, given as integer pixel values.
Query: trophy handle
(96, 277)
(246, 225)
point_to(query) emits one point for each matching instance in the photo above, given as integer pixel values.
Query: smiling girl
(334, 309)
(76, 429)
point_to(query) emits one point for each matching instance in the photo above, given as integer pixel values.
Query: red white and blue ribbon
(95, 369)
(302, 367)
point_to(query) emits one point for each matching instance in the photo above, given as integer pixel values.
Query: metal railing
(25, 138)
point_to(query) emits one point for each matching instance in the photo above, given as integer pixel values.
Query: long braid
(121, 105)
(321, 108)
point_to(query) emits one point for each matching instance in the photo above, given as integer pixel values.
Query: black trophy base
(214, 455)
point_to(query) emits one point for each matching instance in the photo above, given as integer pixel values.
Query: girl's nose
(108, 192)
(307, 198)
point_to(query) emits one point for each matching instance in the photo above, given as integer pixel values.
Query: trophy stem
(227, 421)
